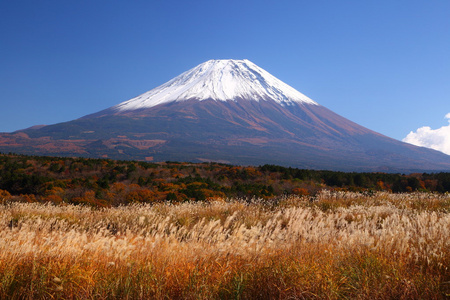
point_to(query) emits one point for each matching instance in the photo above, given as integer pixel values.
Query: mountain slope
(228, 111)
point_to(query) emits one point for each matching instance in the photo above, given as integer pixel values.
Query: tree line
(104, 182)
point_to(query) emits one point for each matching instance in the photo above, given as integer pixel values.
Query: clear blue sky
(382, 64)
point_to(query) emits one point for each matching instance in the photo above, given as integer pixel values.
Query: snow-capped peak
(220, 80)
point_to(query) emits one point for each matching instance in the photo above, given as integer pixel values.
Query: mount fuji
(228, 111)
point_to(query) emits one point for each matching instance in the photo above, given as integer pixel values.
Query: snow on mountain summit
(220, 80)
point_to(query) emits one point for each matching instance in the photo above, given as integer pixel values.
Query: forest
(108, 183)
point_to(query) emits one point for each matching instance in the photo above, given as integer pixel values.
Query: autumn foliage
(101, 182)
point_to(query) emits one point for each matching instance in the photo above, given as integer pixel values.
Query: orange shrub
(140, 196)
(4, 196)
(300, 191)
(54, 199)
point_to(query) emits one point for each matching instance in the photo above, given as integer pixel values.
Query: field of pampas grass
(334, 246)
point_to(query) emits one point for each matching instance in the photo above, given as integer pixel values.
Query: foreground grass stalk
(339, 246)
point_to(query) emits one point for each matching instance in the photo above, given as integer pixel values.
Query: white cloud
(438, 139)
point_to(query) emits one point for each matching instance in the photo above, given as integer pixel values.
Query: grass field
(334, 246)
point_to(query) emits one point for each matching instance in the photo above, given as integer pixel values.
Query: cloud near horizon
(438, 139)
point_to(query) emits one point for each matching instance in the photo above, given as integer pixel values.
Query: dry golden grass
(336, 246)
